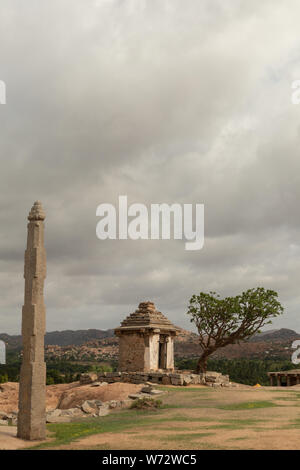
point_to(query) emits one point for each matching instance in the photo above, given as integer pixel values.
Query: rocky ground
(68, 402)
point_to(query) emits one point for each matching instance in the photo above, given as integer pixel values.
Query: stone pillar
(278, 381)
(271, 380)
(297, 379)
(288, 380)
(32, 393)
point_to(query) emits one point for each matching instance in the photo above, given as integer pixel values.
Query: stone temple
(146, 341)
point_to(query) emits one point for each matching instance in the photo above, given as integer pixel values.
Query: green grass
(243, 422)
(248, 405)
(238, 438)
(64, 433)
(292, 398)
(187, 437)
(294, 424)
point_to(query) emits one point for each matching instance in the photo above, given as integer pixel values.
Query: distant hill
(283, 334)
(61, 338)
(97, 344)
(77, 337)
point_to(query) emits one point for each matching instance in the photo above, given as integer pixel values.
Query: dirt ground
(201, 418)
(203, 422)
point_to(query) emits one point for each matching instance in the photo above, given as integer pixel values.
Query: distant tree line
(57, 371)
(245, 371)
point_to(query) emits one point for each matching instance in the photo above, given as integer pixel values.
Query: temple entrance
(162, 352)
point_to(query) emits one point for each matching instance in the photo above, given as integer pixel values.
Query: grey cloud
(164, 103)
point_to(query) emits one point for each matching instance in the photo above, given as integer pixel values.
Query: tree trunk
(202, 364)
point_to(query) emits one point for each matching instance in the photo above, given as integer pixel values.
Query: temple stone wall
(133, 352)
(211, 379)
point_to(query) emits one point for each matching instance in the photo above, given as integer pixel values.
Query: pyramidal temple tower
(32, 393)
(146, 341)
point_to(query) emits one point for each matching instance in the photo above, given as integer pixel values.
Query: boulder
(135, 396)
(91, 406)
(103, 410)
(87, 408)
(156, 392)
(64, 416)
(113, 404)
(147, 389)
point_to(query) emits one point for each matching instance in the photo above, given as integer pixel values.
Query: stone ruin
(146, 341)
(146, 353)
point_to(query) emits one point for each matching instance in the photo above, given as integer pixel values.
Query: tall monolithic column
(32, 393)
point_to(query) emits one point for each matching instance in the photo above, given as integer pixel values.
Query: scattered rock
(125, 403)
(88, 378)
(57, 419)
(135, 396)
(156, 392)
(147, 389)
(90, 406)
(113, 404)
(103, 410)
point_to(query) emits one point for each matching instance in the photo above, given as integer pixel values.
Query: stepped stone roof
(147, 316)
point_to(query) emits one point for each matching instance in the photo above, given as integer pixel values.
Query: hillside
(61, 338)
(95, 344)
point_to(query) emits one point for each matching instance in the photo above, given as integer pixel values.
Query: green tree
(230, 320)
(3, 378)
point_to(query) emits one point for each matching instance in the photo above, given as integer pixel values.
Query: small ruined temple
(146, 341)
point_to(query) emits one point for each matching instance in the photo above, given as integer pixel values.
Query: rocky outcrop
(97, 408)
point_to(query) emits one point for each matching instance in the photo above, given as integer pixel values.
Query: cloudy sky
(162, 101)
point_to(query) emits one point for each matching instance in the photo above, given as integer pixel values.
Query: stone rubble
(97, 408)
(181, 378)
(88, 378)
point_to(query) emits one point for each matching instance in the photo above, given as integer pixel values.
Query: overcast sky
(162, 101)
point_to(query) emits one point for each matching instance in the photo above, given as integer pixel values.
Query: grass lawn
(192, 418)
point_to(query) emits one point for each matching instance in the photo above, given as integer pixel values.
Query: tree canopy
(230, 320)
